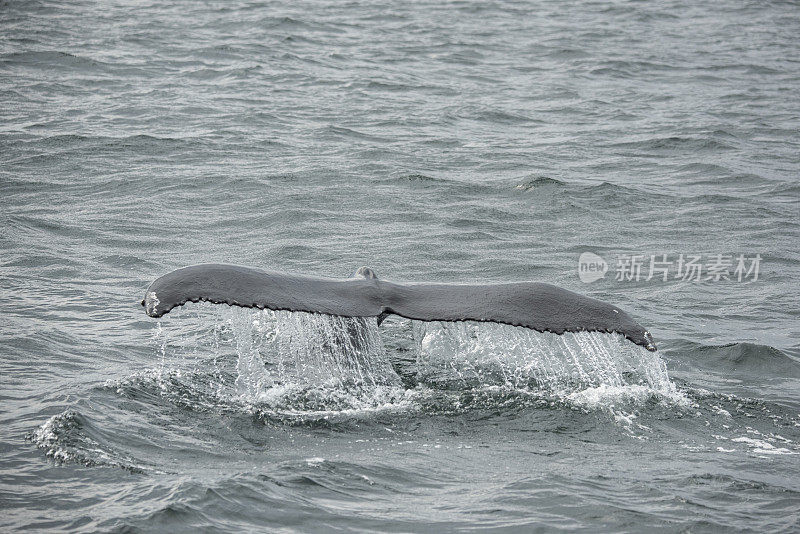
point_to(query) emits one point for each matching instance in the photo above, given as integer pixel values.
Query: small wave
(613, 193)
(423, 178)
(744, 358)
(50, 59)
(398, 87)
(734, 485)
(537, 182)
(417, 180)
(66, 438)
(70, 144)
(497, 116)
(674, 143)
(295, 24)
(704, 169)
(746, 68)
(608, 188)
(785, 190)
(568, 54)
(341, 131)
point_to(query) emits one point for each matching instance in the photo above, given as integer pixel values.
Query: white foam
(760, 446)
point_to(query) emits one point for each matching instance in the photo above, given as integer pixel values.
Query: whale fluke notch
(538, 306)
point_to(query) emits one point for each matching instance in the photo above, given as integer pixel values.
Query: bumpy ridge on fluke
(534, 305)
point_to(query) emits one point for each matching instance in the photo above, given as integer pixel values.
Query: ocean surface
(450, 141)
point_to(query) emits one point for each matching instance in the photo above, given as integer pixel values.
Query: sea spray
(315, 349)
(295, 362)
(469, 354)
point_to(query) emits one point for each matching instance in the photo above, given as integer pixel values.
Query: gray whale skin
(534, 305)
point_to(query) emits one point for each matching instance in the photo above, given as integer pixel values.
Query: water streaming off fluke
(478, 354)
(304, 361)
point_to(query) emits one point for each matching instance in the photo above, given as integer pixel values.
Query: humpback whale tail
(538, 306)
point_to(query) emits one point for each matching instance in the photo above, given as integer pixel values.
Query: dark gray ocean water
(433, 141)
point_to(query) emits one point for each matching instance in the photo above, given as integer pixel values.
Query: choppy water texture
(444, 141)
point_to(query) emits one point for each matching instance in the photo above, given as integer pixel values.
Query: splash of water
(288, 362)
(303, 363)
(480, 354)
(280, 348)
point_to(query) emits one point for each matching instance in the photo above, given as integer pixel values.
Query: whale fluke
(538, 306)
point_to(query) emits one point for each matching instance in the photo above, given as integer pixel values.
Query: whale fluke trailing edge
(538, 306)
